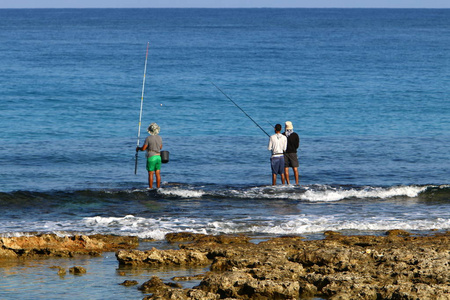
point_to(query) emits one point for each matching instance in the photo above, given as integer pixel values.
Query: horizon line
(255, 7)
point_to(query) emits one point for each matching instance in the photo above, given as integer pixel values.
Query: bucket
(164, 157)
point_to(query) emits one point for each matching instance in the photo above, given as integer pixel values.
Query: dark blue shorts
(277, 164)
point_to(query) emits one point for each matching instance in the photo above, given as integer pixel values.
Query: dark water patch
(436, 194)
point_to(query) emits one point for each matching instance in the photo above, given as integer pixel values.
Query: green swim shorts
(154, 163)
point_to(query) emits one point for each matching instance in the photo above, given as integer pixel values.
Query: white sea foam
(15, 234)
(157, 228)
(181, 192)
(127, 225)
(303, 224)
(307, 225)
(332, 194)
(326, 193)
(325, 224)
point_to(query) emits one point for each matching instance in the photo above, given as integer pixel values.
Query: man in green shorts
(153, 145)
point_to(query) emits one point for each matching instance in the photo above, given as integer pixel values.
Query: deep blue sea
(366, 89)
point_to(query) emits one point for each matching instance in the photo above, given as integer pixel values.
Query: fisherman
(290, 155)
(277, 144)
(153, 145)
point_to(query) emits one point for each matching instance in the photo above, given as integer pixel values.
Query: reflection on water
(20, 279)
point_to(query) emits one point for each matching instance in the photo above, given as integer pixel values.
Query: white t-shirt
(277, 144)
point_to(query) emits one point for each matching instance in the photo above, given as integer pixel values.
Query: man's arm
(270, 147)
(142, 148)
(297, 141)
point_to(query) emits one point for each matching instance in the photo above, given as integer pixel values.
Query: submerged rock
(77, 270)
(129, 283)
(61, 271)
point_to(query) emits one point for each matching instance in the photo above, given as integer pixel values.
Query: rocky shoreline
(398, 265)
(51, 245)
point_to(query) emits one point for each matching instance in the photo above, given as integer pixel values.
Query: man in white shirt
(277, 144)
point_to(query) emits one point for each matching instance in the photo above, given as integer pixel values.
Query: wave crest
(312, 193)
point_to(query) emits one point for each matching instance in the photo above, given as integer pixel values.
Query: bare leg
(150, 179)
(158, 178)
(296, 175)
(286, 174)
(282, 179)
(274, 179)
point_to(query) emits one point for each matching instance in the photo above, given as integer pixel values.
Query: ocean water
(366, 89)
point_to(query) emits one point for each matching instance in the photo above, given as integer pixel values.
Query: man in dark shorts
(290, 155)
(277, 145)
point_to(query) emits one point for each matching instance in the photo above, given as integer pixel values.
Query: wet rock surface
(129, 283)
(396, 266)
(157, 257)
(77, 270)
(51, 245)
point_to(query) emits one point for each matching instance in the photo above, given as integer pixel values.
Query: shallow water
(102, 279)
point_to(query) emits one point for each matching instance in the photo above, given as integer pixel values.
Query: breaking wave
(312, 193)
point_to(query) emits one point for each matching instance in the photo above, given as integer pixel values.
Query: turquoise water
(366, 89)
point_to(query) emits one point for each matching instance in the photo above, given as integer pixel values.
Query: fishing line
(140, 113)
(240, 108)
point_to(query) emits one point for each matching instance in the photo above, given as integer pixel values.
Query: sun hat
(153, 129)
(289, 125)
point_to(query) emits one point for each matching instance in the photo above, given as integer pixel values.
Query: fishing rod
(140, 113)
(240, 108)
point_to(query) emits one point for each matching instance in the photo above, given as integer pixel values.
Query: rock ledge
(396, 266)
